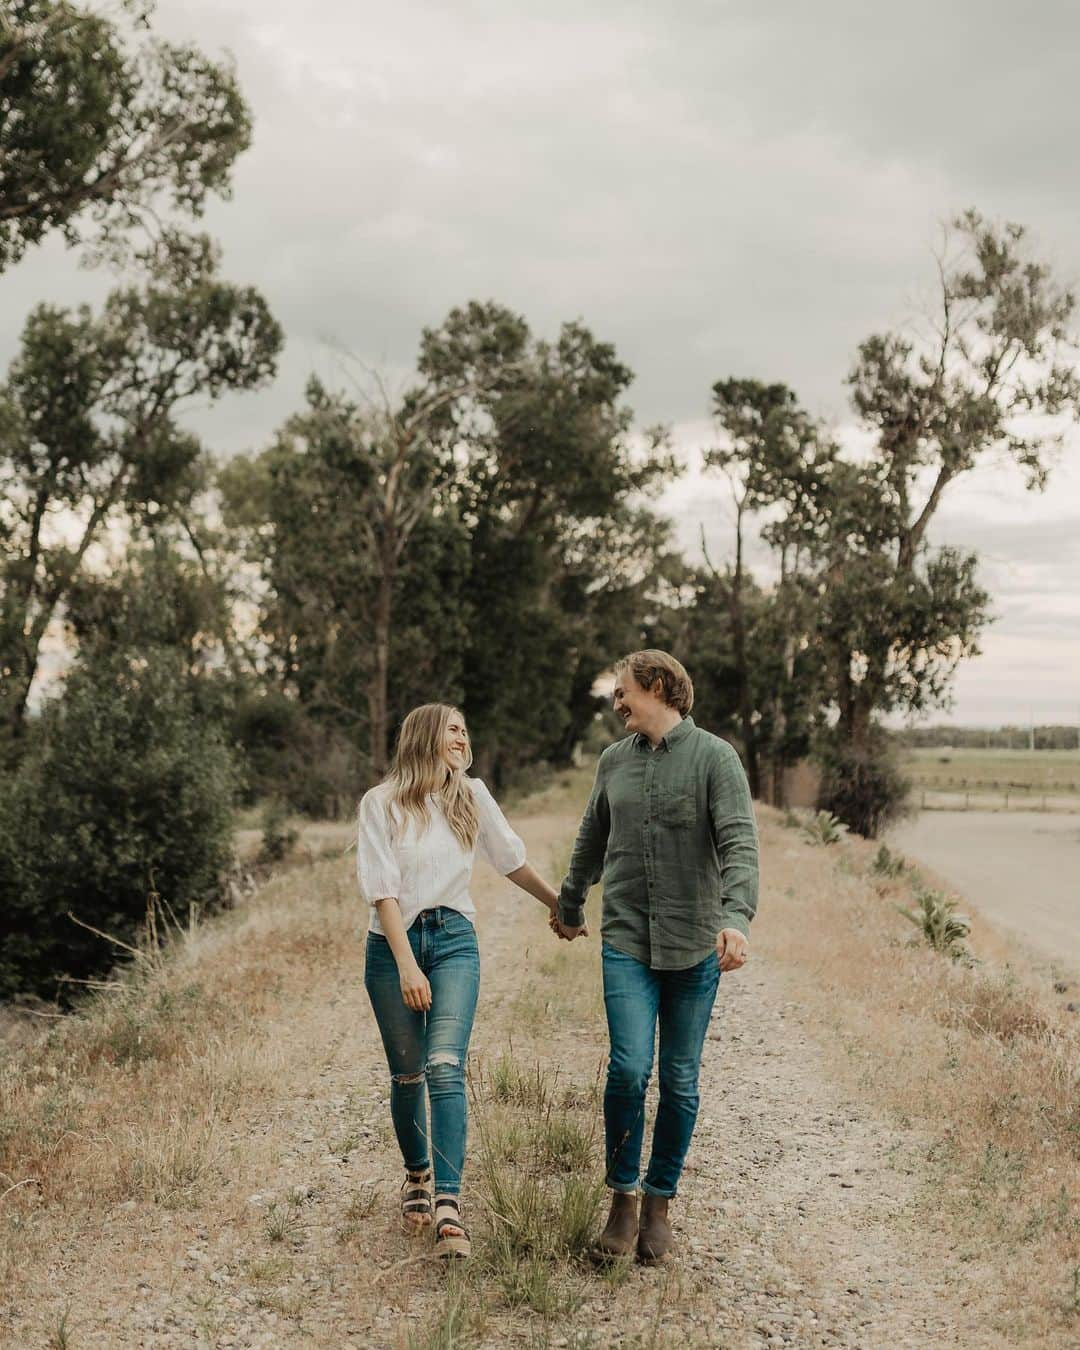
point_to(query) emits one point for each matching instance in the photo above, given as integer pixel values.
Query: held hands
(563, 931)
(732, 948)
(415, 989)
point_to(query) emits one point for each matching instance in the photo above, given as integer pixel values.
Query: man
(669, 827)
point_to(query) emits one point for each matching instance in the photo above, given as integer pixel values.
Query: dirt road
(799, 1222)
(1020, 869)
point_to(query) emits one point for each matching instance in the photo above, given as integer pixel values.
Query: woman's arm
(531, 881)
(415, 989)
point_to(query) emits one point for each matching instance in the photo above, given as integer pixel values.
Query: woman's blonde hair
(420, 769)
(651, 665)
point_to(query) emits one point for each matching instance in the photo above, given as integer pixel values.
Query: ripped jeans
(428, 1049)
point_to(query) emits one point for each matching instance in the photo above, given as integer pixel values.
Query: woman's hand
(415, 989)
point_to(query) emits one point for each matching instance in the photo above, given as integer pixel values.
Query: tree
(356, 557)
(89, 437)
(996, 375)
(770, 450)
(563, 552)
(127, 791)
(97, 123)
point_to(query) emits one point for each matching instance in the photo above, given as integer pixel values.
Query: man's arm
(735, 835)
(587, 858)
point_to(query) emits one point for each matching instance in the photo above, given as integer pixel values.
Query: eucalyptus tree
(101, 124)
(89, 430)
(994, 377)
(772, 453)
(563, 550)
(341, 518)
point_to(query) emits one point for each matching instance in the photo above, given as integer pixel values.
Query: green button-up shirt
(671, 833)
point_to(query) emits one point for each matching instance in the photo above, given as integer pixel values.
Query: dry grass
(132, 1097)
(981, 1056)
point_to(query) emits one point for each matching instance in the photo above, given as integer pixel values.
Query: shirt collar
(678, 733)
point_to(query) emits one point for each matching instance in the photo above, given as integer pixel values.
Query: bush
(941, 926)
(126, 791)
(824, 829)
(314, 768)
(278, 838)
(862, 787)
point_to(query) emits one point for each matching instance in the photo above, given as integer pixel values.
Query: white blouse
(421, 866)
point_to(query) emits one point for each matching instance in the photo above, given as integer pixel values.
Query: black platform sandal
(416, 1202)
(448, 1215)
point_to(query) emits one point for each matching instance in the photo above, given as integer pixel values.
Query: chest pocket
(678, 810)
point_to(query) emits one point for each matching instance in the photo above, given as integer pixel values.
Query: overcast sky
(742, 188)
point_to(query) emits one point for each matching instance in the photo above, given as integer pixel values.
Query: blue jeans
(428, 1049)
(636, 998)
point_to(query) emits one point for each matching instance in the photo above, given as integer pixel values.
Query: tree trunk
(379, 730)
(738, 630)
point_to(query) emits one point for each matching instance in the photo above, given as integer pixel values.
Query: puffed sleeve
(496, 841)
(376, 866)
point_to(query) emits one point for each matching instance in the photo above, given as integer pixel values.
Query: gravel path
(799, 1221)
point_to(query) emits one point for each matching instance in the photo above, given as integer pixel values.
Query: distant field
(1025, 773)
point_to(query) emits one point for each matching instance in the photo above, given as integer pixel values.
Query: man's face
(633, 705)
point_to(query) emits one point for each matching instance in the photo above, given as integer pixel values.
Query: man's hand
(415, 989)
(565, 932)
(732, 948)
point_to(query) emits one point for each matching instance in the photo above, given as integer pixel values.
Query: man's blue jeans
(428, 1049)
(636, 998)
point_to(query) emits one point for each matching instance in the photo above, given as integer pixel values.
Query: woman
(419, 833)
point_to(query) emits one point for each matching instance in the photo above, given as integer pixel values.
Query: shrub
(126, 792)
(278, 838)
(823, 829)
(888, 864)
(863, 787)
(313, 767)
(941, 926)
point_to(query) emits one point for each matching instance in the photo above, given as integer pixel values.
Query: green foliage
(563, 562)
(478, 541)
(98, 122)
(888, 864)
(278, 838)
(88, 435)
(867, 618)
(942, 927)
(861, 785)
(823, 829)
(126, 792)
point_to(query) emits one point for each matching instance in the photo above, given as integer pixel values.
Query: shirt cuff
(737, 921)
(571, 910)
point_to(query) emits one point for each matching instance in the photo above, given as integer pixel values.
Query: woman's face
(456, 742)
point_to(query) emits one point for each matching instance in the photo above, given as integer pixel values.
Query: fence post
(967, 800)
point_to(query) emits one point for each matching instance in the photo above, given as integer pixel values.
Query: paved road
(1019, 868)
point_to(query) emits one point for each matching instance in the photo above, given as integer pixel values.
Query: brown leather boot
(655, 1238)
(621, 1232)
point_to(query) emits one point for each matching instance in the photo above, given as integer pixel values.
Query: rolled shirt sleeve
(376, 867)
(587, 858)
(502, 848)
(731, 809)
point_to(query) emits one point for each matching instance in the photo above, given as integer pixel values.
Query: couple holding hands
(669, 829)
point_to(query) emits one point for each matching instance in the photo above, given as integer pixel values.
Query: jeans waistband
(436, 917)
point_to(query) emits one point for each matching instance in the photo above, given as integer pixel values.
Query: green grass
(1024, 772)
